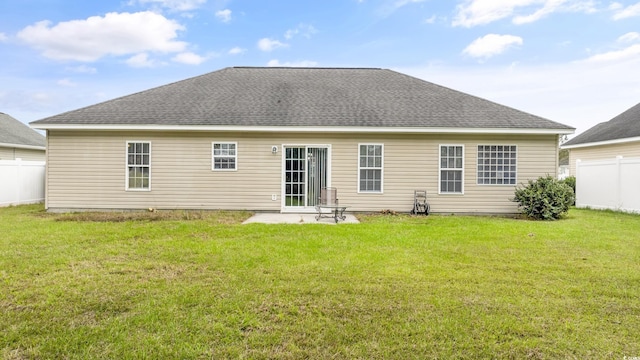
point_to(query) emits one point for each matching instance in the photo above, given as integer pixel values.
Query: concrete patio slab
(279, 218)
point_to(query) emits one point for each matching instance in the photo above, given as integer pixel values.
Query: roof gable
(623, 126)
(304, 97)
(14, 132)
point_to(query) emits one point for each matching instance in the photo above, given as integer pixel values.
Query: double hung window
(224, 156)
(370, 168)
(451, 169)
(138, 165)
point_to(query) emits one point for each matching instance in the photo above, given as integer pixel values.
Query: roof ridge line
(306, 68)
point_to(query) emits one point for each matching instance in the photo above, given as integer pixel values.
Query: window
(497, 164)
(138, 165)
(370, 168)
(224, 156)
(451, 169)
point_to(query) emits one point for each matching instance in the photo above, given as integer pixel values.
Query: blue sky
(572, 61)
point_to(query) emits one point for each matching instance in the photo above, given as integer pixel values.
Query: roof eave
(601, 143)
(305, 129)
(21, 146)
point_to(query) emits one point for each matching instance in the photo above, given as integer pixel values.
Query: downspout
(559, 139)
(46, 172)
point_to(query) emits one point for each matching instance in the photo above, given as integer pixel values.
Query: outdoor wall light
(274, 149)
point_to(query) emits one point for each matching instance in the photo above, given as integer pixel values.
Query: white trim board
(601, 143)
(305, 129)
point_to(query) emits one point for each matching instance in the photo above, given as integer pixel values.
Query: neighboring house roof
(302, 99)
(14, 133)
(622, 128)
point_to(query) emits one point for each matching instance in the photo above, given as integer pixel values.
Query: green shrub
(544, 199)
(571, 181)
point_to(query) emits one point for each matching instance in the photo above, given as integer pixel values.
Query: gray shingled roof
(14, 132)
(625, 125)
(243, 96)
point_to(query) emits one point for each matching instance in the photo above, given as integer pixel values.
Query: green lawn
(201, 285)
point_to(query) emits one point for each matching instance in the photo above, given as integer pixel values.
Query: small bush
(571, 181)
(544, 199)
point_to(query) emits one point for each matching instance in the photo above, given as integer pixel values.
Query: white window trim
(477, 164)
(126, 164)
(213, 157)
(440, 192)
(381, 169)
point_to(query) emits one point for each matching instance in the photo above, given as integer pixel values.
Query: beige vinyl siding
(411, 162)
(10, 153)
(7, 153)
(87, 170)
(602, 152)
(181, 175)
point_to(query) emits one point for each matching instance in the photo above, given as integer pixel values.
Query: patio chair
(328, 205)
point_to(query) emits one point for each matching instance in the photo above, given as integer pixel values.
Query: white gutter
(20, 146)
(304, 129)
(601, 143)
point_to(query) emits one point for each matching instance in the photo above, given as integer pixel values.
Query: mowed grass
(201, 286)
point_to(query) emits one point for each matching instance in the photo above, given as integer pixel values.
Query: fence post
(19, 179)
(619, 201)
(577, 175)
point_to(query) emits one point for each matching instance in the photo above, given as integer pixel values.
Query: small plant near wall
(544, 199)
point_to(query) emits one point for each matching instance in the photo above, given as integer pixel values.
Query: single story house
(22, 166)
(268, 139)
(606, 163)
(619, 136)
(19, 141)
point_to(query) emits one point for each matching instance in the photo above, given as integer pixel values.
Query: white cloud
(304, 30)
(237, 50)
(303, 63)
(267, 44)
(629, 11)
(175, 5)
(3, 37)
(401, 3)
(431, 20)
(82, 69)
(559, 92)
(491, 45)
(548, 8)
(388, 7)
(577, 6)
(17, 101)
(224, 15)
(630, 53)
(141, 61)
(615, 6)
(629, 37)
(66, 82)
(189, 58)
(114, 34)
(480, 12)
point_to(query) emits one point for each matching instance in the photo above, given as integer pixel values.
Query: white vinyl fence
(609, 184)
(21, 182)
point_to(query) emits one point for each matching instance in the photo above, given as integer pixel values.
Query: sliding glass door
(305, 173)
